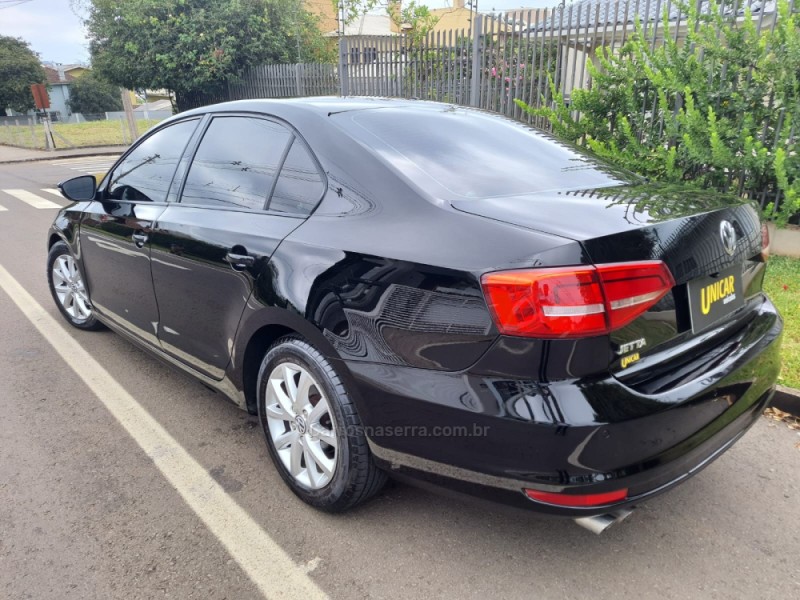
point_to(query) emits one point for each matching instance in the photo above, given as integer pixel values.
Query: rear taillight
(764, 242)
(566, 302)
(632, 288)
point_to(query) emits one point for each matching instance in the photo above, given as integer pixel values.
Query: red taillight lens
(578, 499)
(633, 288)
(764, 242)
(574, 301)
(546, 302)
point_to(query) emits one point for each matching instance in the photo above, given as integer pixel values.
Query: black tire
(355, 478)
(89, 323)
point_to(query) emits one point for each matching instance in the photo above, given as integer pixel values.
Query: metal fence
(505, 57)
(270, 81)
(500, 58)
(286, 81)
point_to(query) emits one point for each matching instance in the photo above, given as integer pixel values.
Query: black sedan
(434, 292)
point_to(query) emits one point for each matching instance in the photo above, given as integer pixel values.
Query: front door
(115, 231)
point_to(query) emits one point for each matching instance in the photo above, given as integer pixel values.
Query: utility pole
(475, 82)
(129, 117)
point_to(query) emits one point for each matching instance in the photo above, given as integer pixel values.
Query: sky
(56, 33)
(52, 29)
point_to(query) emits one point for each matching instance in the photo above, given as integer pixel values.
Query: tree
(90, 94)
(415, 20)
(348, 11)
(19, 68)
(194, 47)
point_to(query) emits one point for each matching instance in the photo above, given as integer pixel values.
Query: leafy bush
(720, 108)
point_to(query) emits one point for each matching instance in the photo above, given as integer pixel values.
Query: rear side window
(236, 163)
(146, 173)
(299, 186)
(459, 154)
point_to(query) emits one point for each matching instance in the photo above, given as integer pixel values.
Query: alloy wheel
(70, 289)
(301, 425)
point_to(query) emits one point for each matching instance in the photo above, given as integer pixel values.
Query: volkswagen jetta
(432, 291)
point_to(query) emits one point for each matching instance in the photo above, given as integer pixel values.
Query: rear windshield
(468, 154)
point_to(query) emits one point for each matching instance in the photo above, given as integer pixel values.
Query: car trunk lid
(683, 227)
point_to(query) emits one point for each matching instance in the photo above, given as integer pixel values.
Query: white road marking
(54, 191)
(31, 199)
(270, 568)
(91, 169)
(97, 165)
(84, 159)
(2, 208)
(87, 164)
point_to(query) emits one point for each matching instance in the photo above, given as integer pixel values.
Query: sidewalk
(12, 154)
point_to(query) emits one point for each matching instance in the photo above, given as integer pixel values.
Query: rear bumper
(494, 437)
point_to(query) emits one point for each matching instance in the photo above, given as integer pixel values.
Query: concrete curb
(784, 242)
(787, 399)
(77, 153)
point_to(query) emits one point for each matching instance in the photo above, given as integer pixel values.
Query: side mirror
(79, 189)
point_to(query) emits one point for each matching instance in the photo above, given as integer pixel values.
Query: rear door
(211, 247)
(115, 230)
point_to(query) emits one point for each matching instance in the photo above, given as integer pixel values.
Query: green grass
(80, 135)
(782, 284)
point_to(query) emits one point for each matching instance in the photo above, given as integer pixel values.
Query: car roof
(321, 105)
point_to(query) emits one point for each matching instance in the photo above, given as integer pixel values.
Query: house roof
(56, 77)
(66, 66)
(584, 13)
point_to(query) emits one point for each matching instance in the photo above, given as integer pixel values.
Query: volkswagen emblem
(300, 422)
(728, 236)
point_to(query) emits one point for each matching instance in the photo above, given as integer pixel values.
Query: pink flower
(494, 72)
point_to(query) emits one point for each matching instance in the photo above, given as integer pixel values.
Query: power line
(11, 3)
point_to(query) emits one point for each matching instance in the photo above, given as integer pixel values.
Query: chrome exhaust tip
(599, 523)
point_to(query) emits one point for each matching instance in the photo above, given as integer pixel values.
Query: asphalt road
(87, 510)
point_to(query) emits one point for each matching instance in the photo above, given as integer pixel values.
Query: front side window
(299, 186)
(236, 163)
(145, 174)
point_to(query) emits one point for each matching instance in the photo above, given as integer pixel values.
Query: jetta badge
(728, 236)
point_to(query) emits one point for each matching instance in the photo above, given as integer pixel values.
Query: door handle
(240, 261)
(139, 238)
